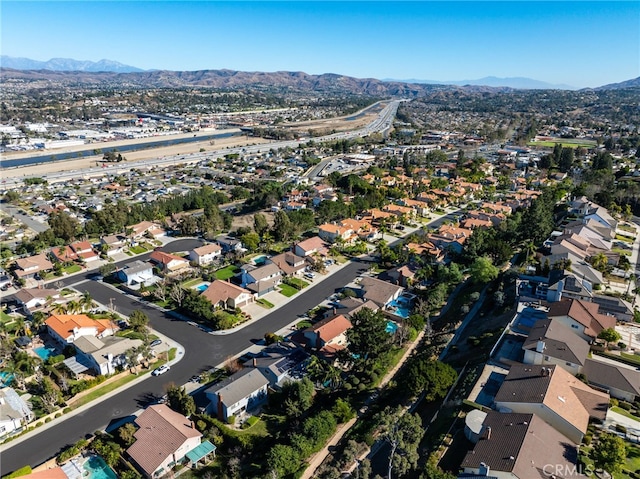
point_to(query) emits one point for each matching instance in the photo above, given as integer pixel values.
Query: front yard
(287, 290)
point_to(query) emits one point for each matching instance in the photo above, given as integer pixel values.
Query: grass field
(287, 290)
(226, 272)
(137, 250)
(625, 413)
(264, 303)
(565, 142)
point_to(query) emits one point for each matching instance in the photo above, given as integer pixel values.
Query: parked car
(161, 370)
(155, 342)
(310, 275)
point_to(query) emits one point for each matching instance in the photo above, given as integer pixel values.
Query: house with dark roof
(229, 243)
(163, 439)
(261, 279)
(238, 394)
(552, 342)
(290, 264)
(622, 381)
(582, 317)
(553, 394)
(520, 446)
(136, 272)
(277, 362)
(378, 291)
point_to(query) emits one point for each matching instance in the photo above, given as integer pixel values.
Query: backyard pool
(202, 286)
(45, 352)
(400, 307)
(392, 327)
(260, 260)
(6, 378)
(98, 469)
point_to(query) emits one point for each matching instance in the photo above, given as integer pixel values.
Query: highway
(203, 351)
(381, 124)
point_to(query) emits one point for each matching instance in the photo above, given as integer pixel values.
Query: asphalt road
(202, 351)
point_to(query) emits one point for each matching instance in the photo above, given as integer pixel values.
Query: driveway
(203, 351)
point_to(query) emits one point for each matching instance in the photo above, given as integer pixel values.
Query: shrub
(47, 419)
(58, 414)
(587, 439)
(625, 405)
(621, 428)
(66, 410)
(621, 345)
(23, 471)
(231, 420)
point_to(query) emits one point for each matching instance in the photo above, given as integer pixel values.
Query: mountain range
(66, 65)
(109, 71)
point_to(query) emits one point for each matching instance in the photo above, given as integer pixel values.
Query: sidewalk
(166, 340)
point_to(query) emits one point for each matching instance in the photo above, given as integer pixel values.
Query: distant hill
(634, 83)
(66, 65)
(521, 83)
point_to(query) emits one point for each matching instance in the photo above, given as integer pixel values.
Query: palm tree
(60, 308)
(87, 301)
(73, 307)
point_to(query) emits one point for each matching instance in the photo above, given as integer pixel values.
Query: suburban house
(592, 211)
(261, 279)
(104, 355)
(239, 393)
(136, 272)
(84, 251)
(63, 254)
(310, 247)
(277, 361)
(378, 291)
(622, 381)
(31, 299)
(403, 275)
(227, 295)
(114, 244)
(328, 335)
(552, 342)
(164, 438)
(27, 268)
(581, 317)
(520, 446)
(147, 228)
(206, 254)
(66, 328)
(15, 413)
(168, 262)
(290, 264)
(229, 243)
(333, 233)
(553, 394)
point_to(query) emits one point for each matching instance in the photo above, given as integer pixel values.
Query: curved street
(203, 351)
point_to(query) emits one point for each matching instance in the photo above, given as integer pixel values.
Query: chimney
(549, 371)
(193, 425)
(487, 433)
(255, 363)
(335, 311)
(484, 469)
(543, 371)
(220, 410)
(540, 346)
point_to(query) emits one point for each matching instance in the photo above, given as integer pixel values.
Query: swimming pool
(400, 307)
(98, 469)
(392, 327)
(202, 286)
(45, 352)
(6, 378)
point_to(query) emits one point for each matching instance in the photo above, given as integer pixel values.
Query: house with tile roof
(622, 381)
(329, 335)
(553, 394)
(113, 244)
(27, 268)
(378, 291)
(206, 254)
(552, 342)
(238, 394)
(520, 446)
(582, 317)
(227, 295)
(84, 251)
(332, 233)
(104, 356)
(63, 254)
(66, 328)
(32, 299)
(163, 439)
(311, 246)
(289, 263)
(261, 279)
(168, 262)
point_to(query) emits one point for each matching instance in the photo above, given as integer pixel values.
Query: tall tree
(138, 321)
(403, 432)
(368, 337)
(180, 401)
(609, 453)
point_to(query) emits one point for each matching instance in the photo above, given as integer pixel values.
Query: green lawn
(264, 303)
(226, 272)
(287, 290)
(300, 283)
(634, 358)
(626, 239)
(191, 282)
(74, 268)
(620, 251)
(4, 317)
(627, 228)
(625, 413)
(101, 391)
(565, 142)
(137, 250)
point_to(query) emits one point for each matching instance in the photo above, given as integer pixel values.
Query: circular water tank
(473, 425)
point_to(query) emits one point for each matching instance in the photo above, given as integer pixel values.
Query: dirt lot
(247, 220)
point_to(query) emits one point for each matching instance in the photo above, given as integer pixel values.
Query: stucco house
(15, 413)
(136, 272)
(227, 295)
(206, 254)
(66, 328)
(582, 317)
(238, 394)
(168, 262)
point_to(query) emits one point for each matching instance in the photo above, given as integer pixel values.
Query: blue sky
(582, 43)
